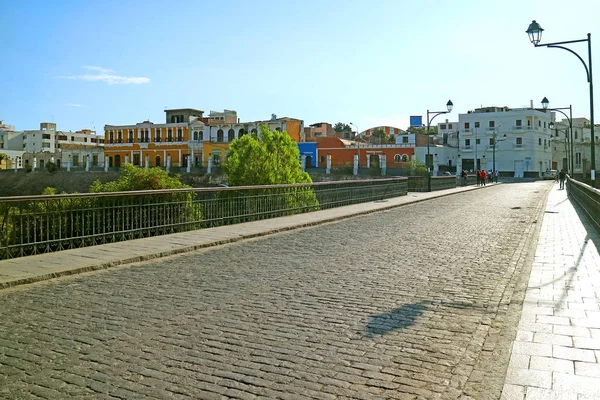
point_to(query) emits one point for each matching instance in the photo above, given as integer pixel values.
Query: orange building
(342, 153)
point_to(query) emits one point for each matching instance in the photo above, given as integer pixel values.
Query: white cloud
(105, 75)
(99, 69)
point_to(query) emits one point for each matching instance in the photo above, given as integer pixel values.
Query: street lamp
(552, 125)
(357, 147)
(449, 106)
(569, 118)
(535, 35)
(494, 149)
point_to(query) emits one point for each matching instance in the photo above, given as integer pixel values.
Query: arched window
(179, 135)
(201, 135)
(397, 158)
(278, 129)
(241, 133)
(196, 135)
(220, 135)
(254, 131)
(404, 158)
(322, 159)
(230, 135)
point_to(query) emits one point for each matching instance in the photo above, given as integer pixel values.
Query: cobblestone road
(409, 303)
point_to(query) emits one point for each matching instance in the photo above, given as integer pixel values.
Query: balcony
(518, 146)
(467, 130)
(518, 127)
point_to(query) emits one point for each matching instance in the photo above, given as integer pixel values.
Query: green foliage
(52, 167)
(49, 191)
(134, 178)
(422, 130)
(268, 158)
(2, 157)
(28, 168)
(416, 168)
(342, 127)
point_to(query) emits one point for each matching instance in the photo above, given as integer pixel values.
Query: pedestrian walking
(561, 177)
(478, 175)
(483, 177)
(496, 176)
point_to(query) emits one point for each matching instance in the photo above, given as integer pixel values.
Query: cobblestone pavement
(421, 301)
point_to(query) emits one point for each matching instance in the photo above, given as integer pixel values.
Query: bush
(51, 166)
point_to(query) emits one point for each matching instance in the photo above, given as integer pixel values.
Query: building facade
(518, 139)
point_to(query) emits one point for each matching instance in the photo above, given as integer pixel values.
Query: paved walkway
(41, 267)
(556, 354)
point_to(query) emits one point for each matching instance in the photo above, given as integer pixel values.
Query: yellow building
(149, 143)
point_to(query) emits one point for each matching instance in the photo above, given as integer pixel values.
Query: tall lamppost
(494, 148)
(535, 35)
(357, 147)
(449, 106)
(569, 118)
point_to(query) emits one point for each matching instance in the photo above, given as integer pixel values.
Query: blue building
(309, 149)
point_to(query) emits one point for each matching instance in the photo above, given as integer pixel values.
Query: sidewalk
(556, 354)
(41, 267)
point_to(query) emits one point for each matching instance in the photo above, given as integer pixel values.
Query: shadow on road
(406, 315)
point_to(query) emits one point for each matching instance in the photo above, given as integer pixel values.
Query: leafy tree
(422, 130)
(416, 167)
(134, 178)
(51, 167)
(342, 127)
(266, 158)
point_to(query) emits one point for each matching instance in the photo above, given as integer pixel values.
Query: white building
(523, 140)
(581, 146)
(47, 138)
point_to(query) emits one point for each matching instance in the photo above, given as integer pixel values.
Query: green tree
(266, 158)
(135, 178)
(416, 167)
(342, 127)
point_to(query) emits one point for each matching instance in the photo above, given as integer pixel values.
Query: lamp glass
(545, 102)
(535, 32)
(449, 105)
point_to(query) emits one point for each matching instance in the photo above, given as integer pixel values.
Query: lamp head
(449, 105)
(535, 32)
(545, 102)
(551, 125)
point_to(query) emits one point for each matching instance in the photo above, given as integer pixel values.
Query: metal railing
(41, 224)
(587, 198)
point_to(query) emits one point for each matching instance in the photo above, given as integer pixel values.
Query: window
(322, 157)
(179, 135)
(404, 157)
(85, 139)
(46, 145)
(539, 123)
(519, 123)
(169, 135)
(491, 141)
(110, 137)
(476, 124)
(195, 135)
(467, 142)
(404, 139)
(544, 124)
(519, 142)
(478, 141)
(492, 124)
(467, 125)
(449, 126)
(442, 126)
(45, 136)
(397, 158)
(544, 142)
(130, 136)
(540, 141)
(576, 134)
(119, 137)
(157, 134)
(578, 158)
(72, 138)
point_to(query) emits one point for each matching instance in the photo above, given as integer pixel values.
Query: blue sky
(84, 64)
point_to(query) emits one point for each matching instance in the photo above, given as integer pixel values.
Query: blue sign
(416, 120)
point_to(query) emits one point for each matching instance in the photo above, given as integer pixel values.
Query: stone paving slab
(556, 352)
(51, 265)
